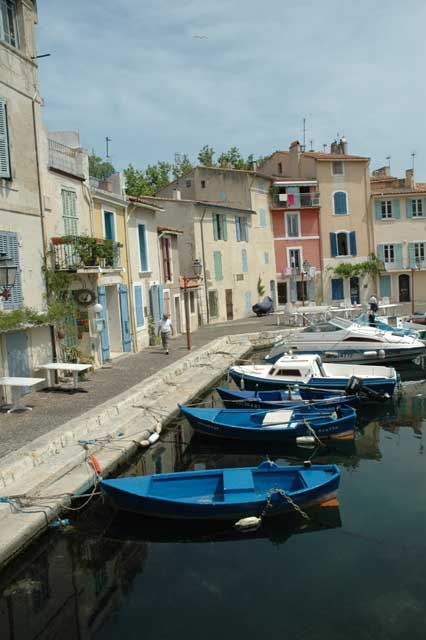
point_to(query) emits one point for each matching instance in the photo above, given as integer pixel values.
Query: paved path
(52, 408)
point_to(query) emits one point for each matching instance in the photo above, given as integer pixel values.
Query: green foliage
(98, 168)
(181, 166)
(372, 267)
(146, 182)
(205, 156)
(90, 251)
(260, 287)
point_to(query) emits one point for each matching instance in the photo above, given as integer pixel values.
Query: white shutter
(69, 199)
(4, 142)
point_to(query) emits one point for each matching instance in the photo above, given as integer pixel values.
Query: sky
(135, 71)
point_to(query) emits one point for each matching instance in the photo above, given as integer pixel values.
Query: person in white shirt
(165, 329)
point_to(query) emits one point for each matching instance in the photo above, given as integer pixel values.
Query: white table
(65, 366)
(17, 385)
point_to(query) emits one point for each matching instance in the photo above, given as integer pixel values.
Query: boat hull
(230, 494)
(370, 356)
(233, 399)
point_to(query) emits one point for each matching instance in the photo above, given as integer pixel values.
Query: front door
(125, 321)
(104, 333)
(354, 290)
(229, 305)
(404, 287)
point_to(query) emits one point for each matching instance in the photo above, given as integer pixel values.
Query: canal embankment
(37, 481)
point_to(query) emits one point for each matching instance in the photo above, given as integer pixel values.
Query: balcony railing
(73, 253)
(295, 201)
(65, 158)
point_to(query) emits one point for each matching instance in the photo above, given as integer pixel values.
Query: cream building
(398, 216)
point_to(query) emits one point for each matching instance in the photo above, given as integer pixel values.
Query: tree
(158, 175)
(181, 166)
(146, 183)
(98, 168)
(205, 156)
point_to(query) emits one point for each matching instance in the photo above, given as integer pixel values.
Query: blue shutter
(266, 257)
(245, 228)
(109, 225)
(237, 229)
(10, 247)
(340, 203)
(378, 209)
(409, 208)
(337, 292)
(385, 286)
(215, 229)
(262, 217)
(248, 301)
(333, 244)
(104, 332)
(352, 243)
(161, 300)
(125, 322)
(4, 142)
(244, 261)
(396, 210)
(217, 258)
(225, 226)
(411, 255)
(143, 253)
(140, 320)
(381, 252)
(397, 249)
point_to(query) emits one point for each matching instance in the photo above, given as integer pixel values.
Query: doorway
(404, 287)
(354, 290)
(229, 305)
(178, 321)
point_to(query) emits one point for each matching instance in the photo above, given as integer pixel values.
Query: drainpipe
(130, 278)
(42, 223)
(204, 265)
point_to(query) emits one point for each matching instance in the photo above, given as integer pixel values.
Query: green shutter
(411, 255)
(397, 248)
(69, 212)
(4, 142)
(215, 232)
(409, 208)
(385, 286)
(225, 227)
(378, 208)
(381, 252)
(396, 211)
(217, 259)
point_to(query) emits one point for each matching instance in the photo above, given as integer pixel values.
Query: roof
(176, 232)
(318, 155)
(419, 187)
(255, 174)
(137, 200)
(201, 203)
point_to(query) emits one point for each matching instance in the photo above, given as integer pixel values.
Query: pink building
(295, 218)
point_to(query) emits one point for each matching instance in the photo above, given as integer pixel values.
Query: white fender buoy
(145, 443)
(153, 437)
(251, 523)
(242, 386)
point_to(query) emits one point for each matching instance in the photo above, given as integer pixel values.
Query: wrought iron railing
(70, 253)
(295, 201)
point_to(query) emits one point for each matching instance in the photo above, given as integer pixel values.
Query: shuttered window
(337, 291)
(4, 142)
(69, 212)
(8, 25)
(340, 203)
(244, 261)
(10, 249)
(140, 320)
(262, 217)
(143, 251)
(217, 259)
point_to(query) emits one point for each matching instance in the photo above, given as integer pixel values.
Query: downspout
(203, 253)
(130, 279)
(42, 223)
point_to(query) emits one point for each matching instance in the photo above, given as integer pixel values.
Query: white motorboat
(339, 340)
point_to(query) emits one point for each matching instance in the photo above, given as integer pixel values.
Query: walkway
(51, 408)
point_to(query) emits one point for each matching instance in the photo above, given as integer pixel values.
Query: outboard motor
(356, 386)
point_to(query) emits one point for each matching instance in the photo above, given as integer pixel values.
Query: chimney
(409, 179)
(177, 195)
(344, 145)
(334, 147)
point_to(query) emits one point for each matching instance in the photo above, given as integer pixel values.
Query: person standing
(165, 329)
(373, 310)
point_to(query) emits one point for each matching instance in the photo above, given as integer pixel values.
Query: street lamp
(306, 266)
(418, 266)
(197, 268)
(8, 273)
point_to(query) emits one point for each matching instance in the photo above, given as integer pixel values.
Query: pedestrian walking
(165, 330)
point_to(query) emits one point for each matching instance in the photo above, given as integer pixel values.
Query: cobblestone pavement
(51, 408)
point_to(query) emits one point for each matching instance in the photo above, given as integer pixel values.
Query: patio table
(17, 385)
(74, 367)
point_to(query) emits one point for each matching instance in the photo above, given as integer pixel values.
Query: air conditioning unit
(282, 197)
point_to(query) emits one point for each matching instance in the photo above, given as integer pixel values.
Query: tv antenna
(388, 158)
(107, 141)
(304, 133)
(413, 155)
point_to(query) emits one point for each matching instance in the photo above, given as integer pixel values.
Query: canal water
(356, 570)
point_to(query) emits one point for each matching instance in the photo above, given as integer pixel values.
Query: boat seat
(237, 481)
(277, 419)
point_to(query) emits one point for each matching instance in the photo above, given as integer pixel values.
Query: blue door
(156, 301)
(125, 322)
(104, 332)
(17, 355)
(109, 225)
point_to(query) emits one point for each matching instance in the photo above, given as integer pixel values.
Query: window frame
(243, 228)
(114, 216)
(139, 285)
(166, 239)
(5, 5)
(220, 221)
(215, 294)
(347, 203)
(389, 248)
(76, 218)
(348, 244)
(333, 163)
(386, 209)
(415, 208)
(291, 249)
(417, 256)
(287, 215)
(141, 269)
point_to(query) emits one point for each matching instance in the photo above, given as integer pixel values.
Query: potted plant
(151, 331)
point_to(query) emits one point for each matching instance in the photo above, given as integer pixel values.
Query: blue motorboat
(225, 494)
(281, 399)
(309, 371)
(291, 425)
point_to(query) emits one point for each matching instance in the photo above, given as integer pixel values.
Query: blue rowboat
(225, 494)
(237, 399)
(278, 426)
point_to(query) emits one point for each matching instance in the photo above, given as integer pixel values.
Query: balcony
(65, 159)
(295, 201)
(82, 253)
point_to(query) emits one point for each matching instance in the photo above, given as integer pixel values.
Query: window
(10, 247)
(109, 225)
(302, 290)
(340, 203)
(139, 311)
(292, 225)
(342, 244)
(8, 27)
(220, 229)
(143, 250)
(385, 286)
(337, 290)
(419, 251)
(417, 208)
(244, 261)
(203, 184)
(213, 304)
(388, 253)
(248, 301)
(187, 183)
(294, 258)
(282, 292)
(262, 218)
(241, 228)
(69, 212)
(337, 168)
(266, 257)
(386, 208)
(280, 168)
(192, 302)
(4, 142)
(217, 259)
(167, 260)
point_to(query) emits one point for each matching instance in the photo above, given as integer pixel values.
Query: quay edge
(56, 463)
